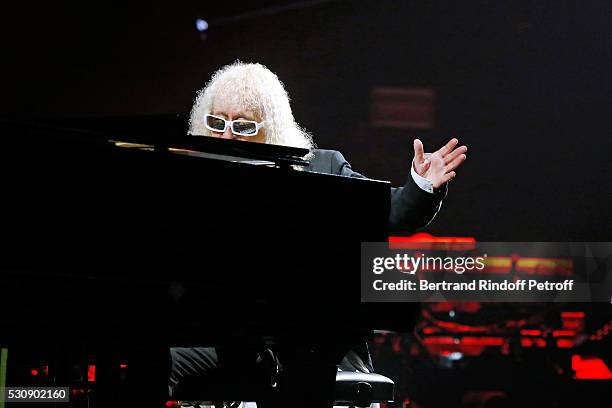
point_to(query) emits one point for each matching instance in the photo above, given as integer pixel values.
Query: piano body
(124, 250)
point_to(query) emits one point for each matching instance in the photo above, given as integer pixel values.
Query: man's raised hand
(439, 166)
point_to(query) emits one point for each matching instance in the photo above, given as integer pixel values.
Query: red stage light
(464, 307)
(91, 373)
(482, 341)
(498, 264)
(590, 368)
(539, 342)
(531, 332)
(440, 340)
(564, 333)
(423, 240)
(572, 324)
(441, 306)
(545, 266)
(34, 372)
(572, 315)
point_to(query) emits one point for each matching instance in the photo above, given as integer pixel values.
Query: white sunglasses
(239, 127)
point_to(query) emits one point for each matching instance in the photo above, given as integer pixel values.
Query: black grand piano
(120, 246)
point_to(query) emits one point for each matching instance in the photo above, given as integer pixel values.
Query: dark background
(524, 84)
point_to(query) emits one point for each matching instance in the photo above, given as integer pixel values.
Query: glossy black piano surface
(97, 235)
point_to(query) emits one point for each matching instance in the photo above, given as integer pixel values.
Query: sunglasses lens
(245, 127)
(215, 123)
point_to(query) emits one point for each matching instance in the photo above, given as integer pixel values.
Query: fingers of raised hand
(454, 163)
(447, 148)
(419, 153)
(454, 154)
(447, 177)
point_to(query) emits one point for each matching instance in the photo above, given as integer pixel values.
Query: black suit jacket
(411, 207)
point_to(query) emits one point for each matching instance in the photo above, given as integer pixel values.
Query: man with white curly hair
(247, 92)
(248, 102)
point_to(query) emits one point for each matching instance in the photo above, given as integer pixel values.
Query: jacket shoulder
(327, 161)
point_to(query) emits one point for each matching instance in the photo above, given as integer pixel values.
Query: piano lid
(223, 149)
(202, 146)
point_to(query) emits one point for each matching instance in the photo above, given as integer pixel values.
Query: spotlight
(201, 25)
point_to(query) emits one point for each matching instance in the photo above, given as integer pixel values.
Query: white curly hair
(257, 89)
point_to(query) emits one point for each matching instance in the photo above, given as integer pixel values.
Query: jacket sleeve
(411, 207)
